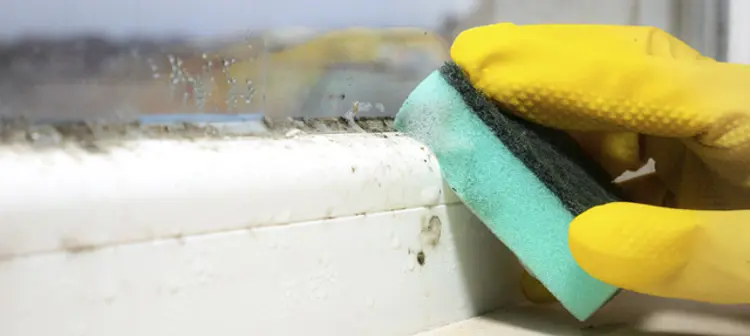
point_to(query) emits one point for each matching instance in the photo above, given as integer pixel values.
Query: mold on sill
(98, 137)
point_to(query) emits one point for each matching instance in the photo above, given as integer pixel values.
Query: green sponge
(524, 181)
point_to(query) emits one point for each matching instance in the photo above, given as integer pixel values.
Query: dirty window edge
(98, 136)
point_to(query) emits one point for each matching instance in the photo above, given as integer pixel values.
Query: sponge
(524, 181)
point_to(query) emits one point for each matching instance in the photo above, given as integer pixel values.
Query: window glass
(186, 60)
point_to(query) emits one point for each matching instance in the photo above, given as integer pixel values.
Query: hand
(628, 94)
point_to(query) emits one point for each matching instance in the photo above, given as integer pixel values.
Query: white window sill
(313, 235)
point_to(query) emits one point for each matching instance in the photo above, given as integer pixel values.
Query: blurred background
(107, 59)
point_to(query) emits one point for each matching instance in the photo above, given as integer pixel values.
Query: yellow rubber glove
(628, 94)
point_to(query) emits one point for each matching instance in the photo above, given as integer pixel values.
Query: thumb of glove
(685, 254)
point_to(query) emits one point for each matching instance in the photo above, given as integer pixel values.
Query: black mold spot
(421, 258)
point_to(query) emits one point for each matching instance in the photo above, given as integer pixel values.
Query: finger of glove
(686, 254)
(611, 78)
(616, 152)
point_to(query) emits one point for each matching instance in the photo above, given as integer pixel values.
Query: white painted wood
(356, 275)
(314, 235)
(70, 199)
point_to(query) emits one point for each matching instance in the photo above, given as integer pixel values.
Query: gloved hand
(628, 94)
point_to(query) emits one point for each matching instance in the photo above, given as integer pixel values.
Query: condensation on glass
(103, 59)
